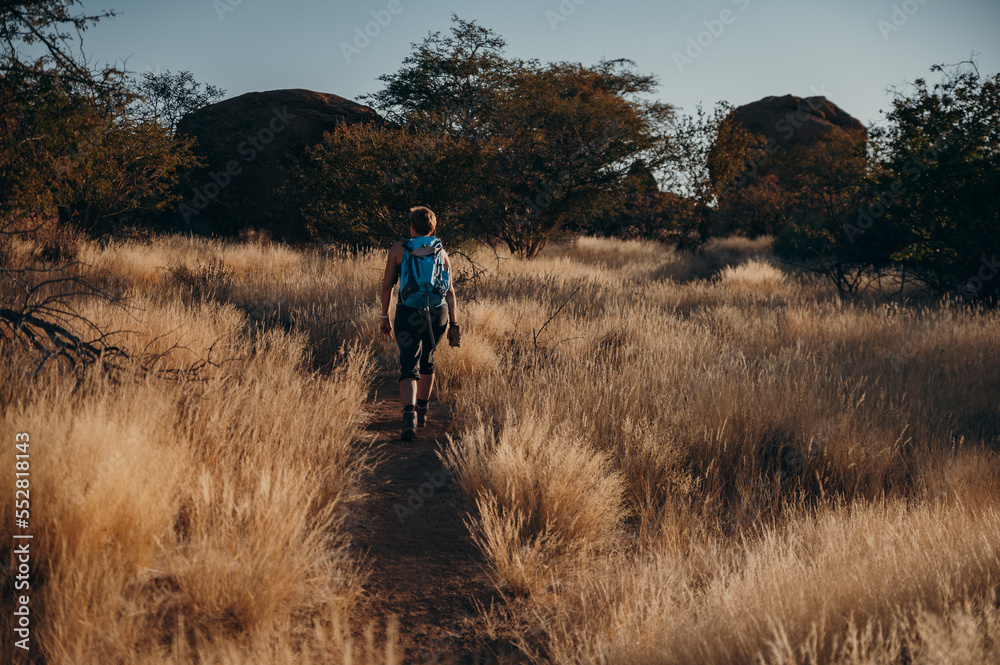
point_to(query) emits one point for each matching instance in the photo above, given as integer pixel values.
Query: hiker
(425, 308)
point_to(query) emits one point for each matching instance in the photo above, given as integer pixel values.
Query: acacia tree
(116, 166)
(37, 93)
(67, 143)
(166, 98)
(448, 81)
(941, 169)
(577, 134)
(360, 181)
(57, 29)
(825, 185)
(70, 139)
(552, 140)
(921, 203)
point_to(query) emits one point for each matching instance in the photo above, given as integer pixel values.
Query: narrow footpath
(410, 531)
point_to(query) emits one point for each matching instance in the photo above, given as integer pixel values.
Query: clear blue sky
(766, 47)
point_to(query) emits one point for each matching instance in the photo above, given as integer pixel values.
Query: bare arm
(388, 281)
(450, 296)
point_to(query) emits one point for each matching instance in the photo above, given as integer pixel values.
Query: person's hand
(385, 327)
(454, 335)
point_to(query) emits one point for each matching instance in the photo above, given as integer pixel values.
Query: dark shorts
(417, 340)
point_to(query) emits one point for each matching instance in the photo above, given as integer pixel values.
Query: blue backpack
(423, 280)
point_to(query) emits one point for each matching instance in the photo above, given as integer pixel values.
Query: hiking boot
(409, 424)
(421, 416)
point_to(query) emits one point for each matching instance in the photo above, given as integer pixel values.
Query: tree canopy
(921, 203)
(167, 97)
(941, 168)
(524, 149)
(71, 139)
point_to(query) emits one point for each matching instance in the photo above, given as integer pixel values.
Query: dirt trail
(410, 529)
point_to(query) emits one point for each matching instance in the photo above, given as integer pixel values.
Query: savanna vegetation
(737, 469)
(187, 491)
(918, 204)
(778, 446)
(660, 467)
(561, 149)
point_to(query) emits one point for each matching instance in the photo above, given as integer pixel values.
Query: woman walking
(425, 309)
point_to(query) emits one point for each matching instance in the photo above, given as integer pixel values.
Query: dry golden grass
(800, 593)
(539, 494)
(199, 519)
(760, 470)
(671, 459)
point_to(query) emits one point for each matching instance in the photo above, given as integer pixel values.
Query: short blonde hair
(423, 220)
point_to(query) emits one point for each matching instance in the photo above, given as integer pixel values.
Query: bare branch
(536, 335)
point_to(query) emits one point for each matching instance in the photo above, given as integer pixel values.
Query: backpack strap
(410, 278)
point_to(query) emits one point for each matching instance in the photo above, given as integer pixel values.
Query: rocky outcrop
(251, 146)
(792, 121)
(803, 137)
